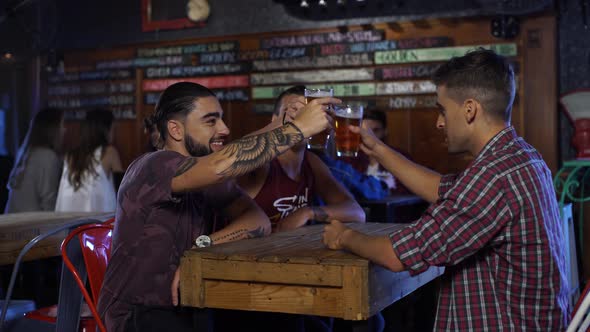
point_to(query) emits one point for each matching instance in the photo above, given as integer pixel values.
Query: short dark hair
(377, 115)
(176, 102)
(483, 75)
(298, 90)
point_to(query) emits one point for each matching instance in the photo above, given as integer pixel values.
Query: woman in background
(34, 179)
(87, 178)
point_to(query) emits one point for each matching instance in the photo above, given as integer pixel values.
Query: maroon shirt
(496, 226)
(153, 228)
(281, 196)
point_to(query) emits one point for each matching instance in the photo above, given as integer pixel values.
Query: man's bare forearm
(348, 211)
(377, 249)
(417, 178)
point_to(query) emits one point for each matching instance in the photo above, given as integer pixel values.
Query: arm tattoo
(185, 166)
(241, 234)
(252, 152)
(319, 214)
(258, 232)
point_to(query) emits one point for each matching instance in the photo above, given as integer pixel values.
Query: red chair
(50, 314)
(95, 241)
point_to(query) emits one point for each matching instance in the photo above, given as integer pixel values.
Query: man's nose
(223, 129)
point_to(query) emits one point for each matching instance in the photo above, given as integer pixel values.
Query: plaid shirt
(496, 226)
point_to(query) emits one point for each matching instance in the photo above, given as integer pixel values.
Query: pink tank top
(281, 196)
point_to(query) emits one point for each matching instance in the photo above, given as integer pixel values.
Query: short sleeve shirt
(153, 228)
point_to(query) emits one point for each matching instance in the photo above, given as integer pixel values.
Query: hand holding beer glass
(347, 142)
(320, 140)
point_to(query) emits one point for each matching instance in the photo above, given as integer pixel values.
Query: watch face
(203, 241)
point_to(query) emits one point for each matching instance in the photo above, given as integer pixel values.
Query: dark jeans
(146, 319)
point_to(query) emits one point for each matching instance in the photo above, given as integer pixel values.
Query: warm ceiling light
(7, 55)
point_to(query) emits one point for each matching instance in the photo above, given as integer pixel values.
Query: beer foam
(345, 111)
(318, 93)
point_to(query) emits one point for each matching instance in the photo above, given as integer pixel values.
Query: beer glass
(318, 141)
(347, 142)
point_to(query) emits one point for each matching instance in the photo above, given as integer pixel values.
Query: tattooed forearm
(319, 214)
(258, 232)
(251, 152)
(235, 235)
(240, 234)
(185, 166)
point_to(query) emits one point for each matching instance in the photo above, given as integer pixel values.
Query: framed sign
(166, 15)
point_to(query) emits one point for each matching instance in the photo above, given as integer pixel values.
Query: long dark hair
(94, 133)
(44, 131)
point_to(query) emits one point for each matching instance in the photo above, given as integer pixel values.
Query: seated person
(87, 178)
(286, 187)
(376, 121)
(169, 199)
(361, 185)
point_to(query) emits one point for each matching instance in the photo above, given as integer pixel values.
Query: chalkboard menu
(77, 92)
(378, 67)
(355, 64)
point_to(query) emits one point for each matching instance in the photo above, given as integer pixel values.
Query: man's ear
(470, 108)
(175, 130)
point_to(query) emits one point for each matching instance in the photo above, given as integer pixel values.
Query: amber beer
(347, 142)
(318, 141)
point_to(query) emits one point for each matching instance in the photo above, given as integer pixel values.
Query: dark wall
(574, 61)
(88, 24)
(71, 24)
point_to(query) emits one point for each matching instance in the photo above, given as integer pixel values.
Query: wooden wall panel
(411, 129)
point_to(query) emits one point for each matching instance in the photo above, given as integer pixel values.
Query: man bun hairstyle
(176, 102)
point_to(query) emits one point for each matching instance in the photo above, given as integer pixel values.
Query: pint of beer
(318, 141)
(347, 142)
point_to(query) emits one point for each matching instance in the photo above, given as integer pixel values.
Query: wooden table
(292, 272)
(17, 229)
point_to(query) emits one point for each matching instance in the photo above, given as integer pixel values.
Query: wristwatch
(203, 241)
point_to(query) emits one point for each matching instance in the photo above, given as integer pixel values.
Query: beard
(195, 148)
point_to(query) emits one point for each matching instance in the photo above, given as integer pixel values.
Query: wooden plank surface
(273, 298)
(303, 244)
(292, 272)
(17, 229)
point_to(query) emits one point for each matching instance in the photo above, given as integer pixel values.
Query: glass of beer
(347, 142)
(318, 141)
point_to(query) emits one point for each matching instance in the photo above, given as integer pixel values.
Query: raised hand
(368, 140)
(314, 117)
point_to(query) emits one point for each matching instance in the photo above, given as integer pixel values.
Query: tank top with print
(281, 195)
